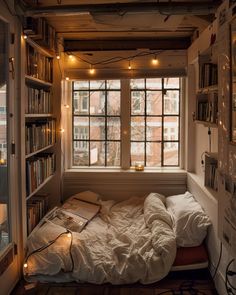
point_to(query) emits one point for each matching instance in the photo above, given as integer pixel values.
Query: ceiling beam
(127, 44)
(171, 8)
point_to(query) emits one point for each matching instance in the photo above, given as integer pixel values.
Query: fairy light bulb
(155, 61)
(62, 130)
(58, 56)
(67, 78)
(91, 70)
(70, 56)
(129, 67)
(69, 235)
(25, 265)
(66, 106)
(25, 37)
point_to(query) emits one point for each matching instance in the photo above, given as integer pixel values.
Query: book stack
(208, 75)
(38, 169)
(207, 107)
(38, 65)
(39, 134)
(39, 30)
(38, 101)
(37, 207)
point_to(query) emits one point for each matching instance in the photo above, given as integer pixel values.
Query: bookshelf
(207, 94)
(211, 166)
(39, 117)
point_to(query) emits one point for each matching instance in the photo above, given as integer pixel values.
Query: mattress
(188, 258)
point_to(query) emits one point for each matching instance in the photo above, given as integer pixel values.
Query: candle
(139, 167)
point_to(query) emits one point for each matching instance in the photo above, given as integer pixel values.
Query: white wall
(198, 140)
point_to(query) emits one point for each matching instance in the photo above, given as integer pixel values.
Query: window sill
(124, 171)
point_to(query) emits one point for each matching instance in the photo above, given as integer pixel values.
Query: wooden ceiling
(168, 22)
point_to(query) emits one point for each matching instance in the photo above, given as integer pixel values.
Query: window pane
(154, 102)
(171, 153)
(113, 128)
(113, 84)
(155, 83)
(97, 84)
(80, 123)
(81, 102)
(137, 153)
(153, 128)
(137, 84)
(113, 103)
(97, 128)
(137, 128)
(113, 153)
(153, 154)
(171, 83)
(171, 102)
(97, 103)
(137, 102)
(79, 85)
(81, 156)
(97, 153)
(171, 128)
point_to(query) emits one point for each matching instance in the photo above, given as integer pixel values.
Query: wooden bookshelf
(38, 134)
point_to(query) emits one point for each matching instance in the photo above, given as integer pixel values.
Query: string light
(67, 78)
(155, 61)
(70, 56)
(58, 56)
(129, 67)
(66, 106)
(68, 234)
(25, 37)
(62, 130)
(91, 70)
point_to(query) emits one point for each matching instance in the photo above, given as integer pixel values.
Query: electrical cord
(228, 285)
(218, 263)
(49, 244)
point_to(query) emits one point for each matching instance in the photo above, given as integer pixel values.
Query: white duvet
(127, 242)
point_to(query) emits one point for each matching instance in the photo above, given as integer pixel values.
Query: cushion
(190, 221)
(88, 196)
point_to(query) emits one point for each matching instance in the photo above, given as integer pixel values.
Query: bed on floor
(135, 240)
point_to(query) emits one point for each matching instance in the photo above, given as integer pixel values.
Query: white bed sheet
(127, 242)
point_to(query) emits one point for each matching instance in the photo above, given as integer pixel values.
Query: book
(68, 220)
(81, 208)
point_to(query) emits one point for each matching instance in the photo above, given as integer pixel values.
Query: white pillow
(190, 221)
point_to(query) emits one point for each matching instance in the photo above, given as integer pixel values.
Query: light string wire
(51, 243)
(116, 58)
(228, 285)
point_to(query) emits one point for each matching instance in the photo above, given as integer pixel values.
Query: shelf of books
(39, 134)
(211, 165)
(207, 108)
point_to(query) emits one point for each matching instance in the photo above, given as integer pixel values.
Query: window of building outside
(154, 122)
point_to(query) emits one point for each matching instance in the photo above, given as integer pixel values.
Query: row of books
(38, 101)
(37, 207)
(207, 111)
(38, 169)
(208, 75)
(39, 135)
(38, 65)
(39, 30)
(211, 176)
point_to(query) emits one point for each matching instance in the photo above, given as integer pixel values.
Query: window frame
(125, 148)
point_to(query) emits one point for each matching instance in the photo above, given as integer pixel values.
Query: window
(153, 120)
(96, 135)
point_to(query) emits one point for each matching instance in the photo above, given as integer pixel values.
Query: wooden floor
(184, 283)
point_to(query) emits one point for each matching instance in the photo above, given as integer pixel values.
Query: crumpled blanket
(127, 242)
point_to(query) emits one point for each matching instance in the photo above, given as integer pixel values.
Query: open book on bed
(68, 220)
